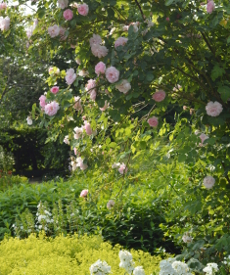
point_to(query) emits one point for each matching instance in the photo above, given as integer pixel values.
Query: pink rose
(4, 23)
(83, 9)
(63, 4)
(112, 74)
(99, 51)
(78, 132)
(84, 193)
(159, 96)
(88, 128)
(77, 106)
(213, 108)
(91, 84)
(95, 40)
(70, 76)
(54, 89)
(110, 204)
(209, 181)
(153, 121)
(51, 108)
(68, 14)
(105, 106)
(66, 140)
(75, 151)
(121, 41)
(42, 99)
(203, 137)
(3, 6)
(93, 95)
(62, 34)
(122, 169)
(53, 31)
(210, 6)
(100, 68)
(124, 86)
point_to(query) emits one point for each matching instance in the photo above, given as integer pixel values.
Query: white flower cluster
(126, 258)
(226, 260)
(138, 270)
(211, 269)
(100, 268)
(173, 267)
(127, 262)
(44, 218)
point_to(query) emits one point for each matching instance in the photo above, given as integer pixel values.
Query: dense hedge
(133, 222)
(65, 255)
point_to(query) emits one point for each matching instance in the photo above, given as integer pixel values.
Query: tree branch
(139, 7)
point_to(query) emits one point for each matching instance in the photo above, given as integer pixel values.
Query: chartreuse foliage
(65, 255)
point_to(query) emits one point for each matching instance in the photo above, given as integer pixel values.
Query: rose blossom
(122, 169)
(186, 238)
(82, 166)
(124, 86)
(159, 96)
(78, 132)
(66, 140)
(121, 41)
(83, 9)
(93, 95)
(77, 106)
(105, 106)
(4, 23)
(75, 151)
(95, 40)
(153, 121)
(42, 99)
(3, 6)
(29, 120)
(62, 33)
(203, 137)
(99, 51)
(70, 76)
(83, 73)
(100, 68)
(110, 204)
(112, 74)
(68, 14)
(78, 61)
(84, 193)
(88, 128)
(53, 31)
(91, 84)
(213, 108)
(209, 182)
(54, 89)
(63, 4)
(51, 108)
(210, 6)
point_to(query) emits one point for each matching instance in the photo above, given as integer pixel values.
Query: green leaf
(217, 72)
(224, 92)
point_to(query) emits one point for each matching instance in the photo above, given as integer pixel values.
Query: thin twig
(142, 14)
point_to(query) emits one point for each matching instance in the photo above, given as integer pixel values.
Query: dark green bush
(133, 222)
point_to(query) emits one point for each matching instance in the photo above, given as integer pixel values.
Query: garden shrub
(65, 255)
(133, 222)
